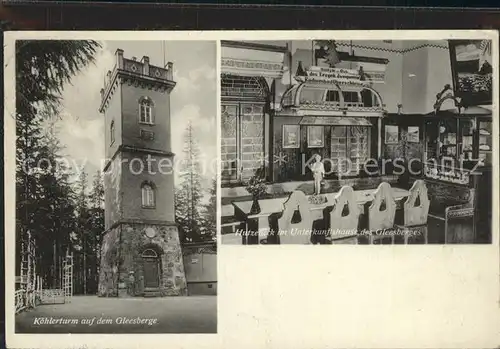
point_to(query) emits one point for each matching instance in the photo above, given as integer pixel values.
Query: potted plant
(257, 187)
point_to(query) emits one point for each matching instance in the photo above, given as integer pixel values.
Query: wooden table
(260, 221)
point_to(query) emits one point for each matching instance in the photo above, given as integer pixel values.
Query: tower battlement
(137, 72)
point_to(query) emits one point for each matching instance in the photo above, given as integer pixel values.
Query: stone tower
(141, 237)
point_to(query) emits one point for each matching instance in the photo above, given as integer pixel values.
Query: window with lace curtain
(350, 148)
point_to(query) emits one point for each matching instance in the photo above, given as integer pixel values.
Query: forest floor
(91, 314)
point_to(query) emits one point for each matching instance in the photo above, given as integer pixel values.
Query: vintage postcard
(142, 161)
(115, 228)
(357, 141)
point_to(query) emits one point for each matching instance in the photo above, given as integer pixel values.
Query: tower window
(112, 132)
(146, 111)
(148, 196)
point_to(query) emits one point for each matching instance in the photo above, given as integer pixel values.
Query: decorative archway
(376, 94)
(293, 98)
(446, 94)
(249, 88)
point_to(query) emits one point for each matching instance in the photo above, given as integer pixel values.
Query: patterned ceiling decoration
(255, 88)
(391, 49)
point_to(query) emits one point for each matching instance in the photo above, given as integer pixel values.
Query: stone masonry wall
(108, 278)
(166, 242)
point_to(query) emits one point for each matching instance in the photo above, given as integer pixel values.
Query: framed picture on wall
(291, 136)
(472, 70)
(391, 134)
(413, 135)
(315, 136)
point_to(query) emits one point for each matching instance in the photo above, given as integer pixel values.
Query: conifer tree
(44, 196)
(210, 214)
(82, 231)
(96, 230)
(189, 191)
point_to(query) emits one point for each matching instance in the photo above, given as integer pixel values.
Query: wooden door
(151, 273)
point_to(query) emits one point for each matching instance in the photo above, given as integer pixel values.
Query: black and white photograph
(473, 70)
(145, 169)
(356, 142)
(115, 186)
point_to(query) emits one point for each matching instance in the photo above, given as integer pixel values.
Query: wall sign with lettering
(341, 75)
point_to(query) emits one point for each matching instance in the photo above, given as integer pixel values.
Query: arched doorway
(151, 264)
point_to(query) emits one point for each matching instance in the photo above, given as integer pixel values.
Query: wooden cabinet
(456, 146)
(458, 152)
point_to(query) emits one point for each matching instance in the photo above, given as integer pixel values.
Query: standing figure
(131, 283)
(141, 284)
(318, 171)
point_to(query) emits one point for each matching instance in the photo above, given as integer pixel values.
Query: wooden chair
(344, 218)
(381, 214)
(459, 225)
(452, 209)
(415, 214)
(300, 232)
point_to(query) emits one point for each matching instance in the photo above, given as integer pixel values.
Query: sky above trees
(81, 127)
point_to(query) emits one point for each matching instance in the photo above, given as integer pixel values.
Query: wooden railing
(20, 300)
(29, 296)
(52, 296)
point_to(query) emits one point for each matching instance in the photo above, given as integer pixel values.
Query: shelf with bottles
(485, 142)
(467, 155)
(449, 139)
(466, 149)
(448, 150)
(464, 139)
(485, 158)
(446, 173)
(466, 127)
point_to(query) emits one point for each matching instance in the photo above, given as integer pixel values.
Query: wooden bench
(229, 226)
(300, 232)
(451, 210)
(230, 222)
(339, 212)
(344, 218)
(381, 214)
